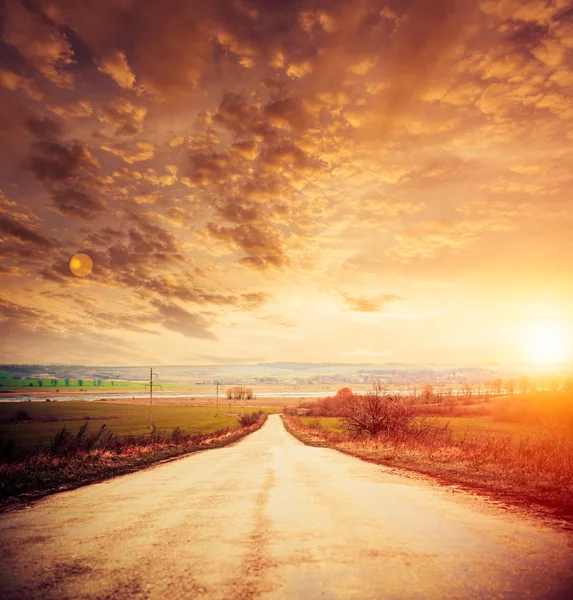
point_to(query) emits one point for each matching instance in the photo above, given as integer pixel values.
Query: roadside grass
(123, 419)
(71, 459)
(460, 427)
(528, 470)
(330, 424)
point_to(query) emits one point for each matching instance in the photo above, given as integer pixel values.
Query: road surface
(271, 518)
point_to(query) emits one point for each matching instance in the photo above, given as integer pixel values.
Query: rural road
(271, 518)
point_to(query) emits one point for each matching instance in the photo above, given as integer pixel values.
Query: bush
(247, 420)
(377, 412)
(332, 406)
(67, 444)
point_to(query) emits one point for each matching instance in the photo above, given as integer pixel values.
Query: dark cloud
(178, 319)
(77, 204)
(66, 169)
(23, 232)
(208, 168)
(44, 128)
(38, 41)
(263, 246)
(55, 162)
(59, 273)
(235, 114)
(287, 114)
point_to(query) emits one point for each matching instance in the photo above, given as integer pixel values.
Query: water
(96, 397)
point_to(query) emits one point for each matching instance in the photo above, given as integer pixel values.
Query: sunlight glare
(547, 342)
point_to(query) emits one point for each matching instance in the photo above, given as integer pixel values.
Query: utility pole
(217, 383)
(151, 384)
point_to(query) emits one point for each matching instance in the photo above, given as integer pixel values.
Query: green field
(460, 426)
(332, 424)
(122, 419)
(65, 384)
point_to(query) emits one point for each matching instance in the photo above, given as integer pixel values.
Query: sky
(361, 181)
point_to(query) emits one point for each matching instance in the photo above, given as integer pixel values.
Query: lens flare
(81, 265)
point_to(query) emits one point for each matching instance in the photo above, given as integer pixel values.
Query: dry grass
(536, 471)
(71, 461)
(552, 409)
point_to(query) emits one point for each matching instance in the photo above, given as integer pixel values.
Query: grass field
(72, 384)
(48, 418)
(460, 427)
(82, 457)
(332, 424)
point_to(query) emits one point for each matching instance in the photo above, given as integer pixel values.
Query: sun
(81, 265)
(547, 342)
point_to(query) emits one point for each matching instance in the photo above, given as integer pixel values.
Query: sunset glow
(548, 343)
(253, 181)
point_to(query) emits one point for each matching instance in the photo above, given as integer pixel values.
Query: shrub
(377, 412)
(247, 420)
(332, 406)
(67, 444)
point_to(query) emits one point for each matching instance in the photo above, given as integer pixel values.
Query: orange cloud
(116, 66)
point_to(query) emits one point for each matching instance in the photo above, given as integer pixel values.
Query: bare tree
(239, 392)
(467, 390)
(378, 411)
(427, 393)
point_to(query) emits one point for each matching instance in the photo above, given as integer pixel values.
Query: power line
(217, 383)
(150, 385)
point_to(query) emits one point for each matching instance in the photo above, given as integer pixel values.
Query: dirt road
(272, 518)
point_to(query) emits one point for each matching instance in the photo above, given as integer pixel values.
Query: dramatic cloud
(268, 179)
(116, 66)
(127, 118)
(23, 232)
(44, 47)
(67, 169)
(178, 319)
